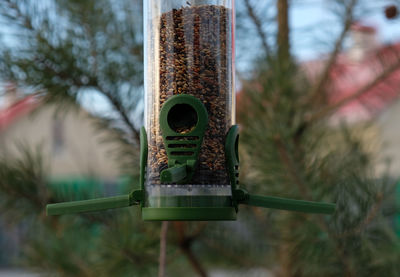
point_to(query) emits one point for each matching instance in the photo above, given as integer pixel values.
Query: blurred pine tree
(291, 150)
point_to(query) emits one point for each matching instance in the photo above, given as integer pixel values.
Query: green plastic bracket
(243, 197)
(232, 159)
(89, 205)
(99, 204)
(183, 121)
(143, 156)
(143, 166)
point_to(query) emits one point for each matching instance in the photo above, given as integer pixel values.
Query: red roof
(363, 28)
(347, 77)
(17, 110)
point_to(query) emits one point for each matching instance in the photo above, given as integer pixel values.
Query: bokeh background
(318, 104)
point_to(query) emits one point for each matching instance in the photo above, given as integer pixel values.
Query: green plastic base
(189, 214)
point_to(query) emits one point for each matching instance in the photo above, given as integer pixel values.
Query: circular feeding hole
(182, 118)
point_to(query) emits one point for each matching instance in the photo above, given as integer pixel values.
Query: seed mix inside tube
(194, 52)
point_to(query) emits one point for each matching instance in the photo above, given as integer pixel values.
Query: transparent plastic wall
(189, 49)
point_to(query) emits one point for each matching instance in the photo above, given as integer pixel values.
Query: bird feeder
(189, 162)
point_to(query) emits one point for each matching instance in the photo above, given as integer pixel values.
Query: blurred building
(67, 137)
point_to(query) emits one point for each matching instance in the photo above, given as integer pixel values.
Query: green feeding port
(182, 118)
(183, 122)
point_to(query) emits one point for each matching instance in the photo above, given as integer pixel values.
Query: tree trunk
(283, 40)
(185, 244)
(163, 249)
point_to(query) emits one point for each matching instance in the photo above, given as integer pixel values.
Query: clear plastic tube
(189, 49)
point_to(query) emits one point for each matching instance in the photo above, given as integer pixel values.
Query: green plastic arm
(284, 203)
(173, 174)
(89, 205)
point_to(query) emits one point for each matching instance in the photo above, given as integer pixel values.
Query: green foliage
(102, 244)
(22, 179)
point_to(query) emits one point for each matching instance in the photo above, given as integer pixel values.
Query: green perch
(94, 205)
(241, 196)
(89, 205)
